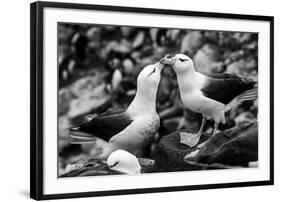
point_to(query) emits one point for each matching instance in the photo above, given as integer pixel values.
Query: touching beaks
(168, 60)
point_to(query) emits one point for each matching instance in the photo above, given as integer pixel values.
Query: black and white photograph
(128, 100)
(140, 101)
(137, 100)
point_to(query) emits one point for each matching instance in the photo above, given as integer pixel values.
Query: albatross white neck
(190, 80)
(147, 86)
(144, 102)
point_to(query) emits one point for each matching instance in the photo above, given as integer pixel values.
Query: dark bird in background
(79, 43)
(210, 95)
(75, 58)
(66, 67)
(117, 60)
(130, 130)
(118, 65)
(160, 37)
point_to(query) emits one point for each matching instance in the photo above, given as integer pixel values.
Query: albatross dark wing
(103, 126)
(225, 87)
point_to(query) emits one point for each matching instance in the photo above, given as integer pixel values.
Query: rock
(244, 117)
(84, 85)
(169, 153)
(147, 165)
(239, 152)
(83, 96)
(88, 167)
(95, 167)
(90, 101)
(233, 147)
(191, 43)
(208, 60)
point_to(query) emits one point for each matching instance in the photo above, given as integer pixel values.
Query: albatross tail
(78, 137)
(100, 148)
(247, 95)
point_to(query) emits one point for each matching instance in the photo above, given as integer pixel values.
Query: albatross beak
(159, 65)
(168, 60)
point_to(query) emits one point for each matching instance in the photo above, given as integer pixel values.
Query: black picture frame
(37, 98)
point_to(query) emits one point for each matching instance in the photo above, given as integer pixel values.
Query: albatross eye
(183, 60)
(152, 71)
(111, 166)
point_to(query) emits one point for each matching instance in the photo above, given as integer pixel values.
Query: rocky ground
(98, 67)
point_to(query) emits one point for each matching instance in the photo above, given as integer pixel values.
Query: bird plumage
(123, 162)
(225, 87)
(131, 129)
(210, 95)
(201, 92)
(106, 125)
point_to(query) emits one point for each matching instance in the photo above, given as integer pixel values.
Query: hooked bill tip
(160, 65)
(167, 60)
(168, 56)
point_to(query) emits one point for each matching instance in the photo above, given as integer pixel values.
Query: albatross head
(147, 87)
(124, 162)
(180, 62)
(151, 74)
(148, 81)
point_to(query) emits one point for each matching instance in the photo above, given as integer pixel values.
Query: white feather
(124, 162)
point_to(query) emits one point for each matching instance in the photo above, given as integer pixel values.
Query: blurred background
(98, 67)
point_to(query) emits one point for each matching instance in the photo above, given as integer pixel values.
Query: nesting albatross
(210, 95)
(129, 130)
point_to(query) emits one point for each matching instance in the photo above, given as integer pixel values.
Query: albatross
(130, 130)
(210, 95)
(123, 162)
